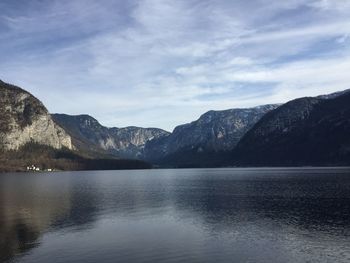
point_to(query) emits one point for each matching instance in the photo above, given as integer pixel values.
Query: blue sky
(160, 63)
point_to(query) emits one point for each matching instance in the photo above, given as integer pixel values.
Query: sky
(161, 63)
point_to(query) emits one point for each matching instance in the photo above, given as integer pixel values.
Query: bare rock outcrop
(24, 119)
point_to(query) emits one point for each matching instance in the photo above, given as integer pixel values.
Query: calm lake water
(190, 215)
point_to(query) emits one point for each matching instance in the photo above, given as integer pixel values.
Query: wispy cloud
(162, 63)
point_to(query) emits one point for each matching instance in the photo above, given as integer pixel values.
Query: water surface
(185, 215)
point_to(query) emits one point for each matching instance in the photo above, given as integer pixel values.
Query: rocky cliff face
(214, 131)
(23, 119)
(89, 135)
(130, 141)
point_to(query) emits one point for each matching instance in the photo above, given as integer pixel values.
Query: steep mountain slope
(305, 131)
(24, 119)
(89, 135)
(214, 131)
(86, 132)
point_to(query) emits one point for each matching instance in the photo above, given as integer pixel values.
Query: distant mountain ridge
(214, 131)
(89, 135)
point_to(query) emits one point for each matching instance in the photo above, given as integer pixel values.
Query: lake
(183, 215)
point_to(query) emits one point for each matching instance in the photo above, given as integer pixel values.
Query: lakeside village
(33, 168)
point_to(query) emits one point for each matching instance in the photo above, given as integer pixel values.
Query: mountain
(305, 131)
(213, 132)
(89, 135)
(24, 119)
(130, 141)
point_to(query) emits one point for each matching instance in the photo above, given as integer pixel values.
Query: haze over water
(189, 215)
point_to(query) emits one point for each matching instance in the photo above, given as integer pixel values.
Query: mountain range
(90, 136)
(305, 131)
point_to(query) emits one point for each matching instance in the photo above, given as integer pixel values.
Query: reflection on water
(28, 206)
(194, 215)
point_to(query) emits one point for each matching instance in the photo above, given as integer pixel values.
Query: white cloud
(338, 5)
